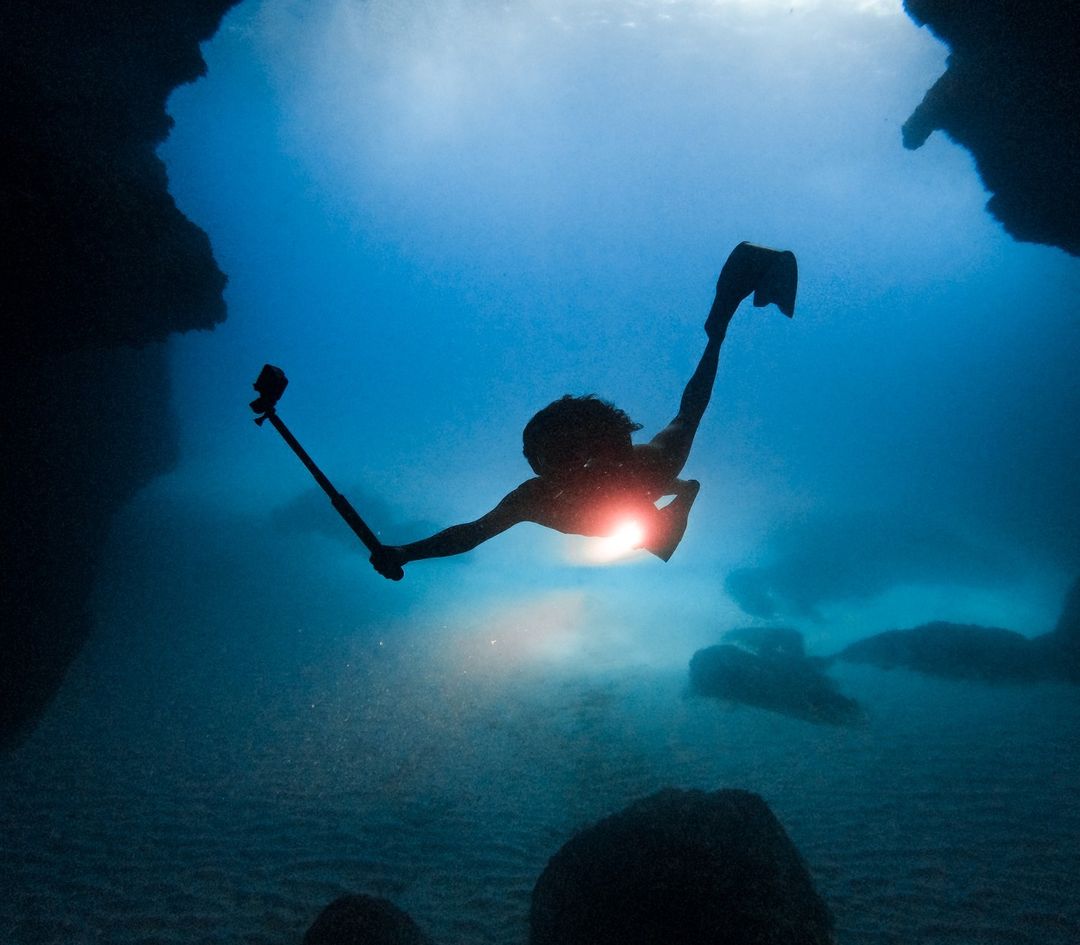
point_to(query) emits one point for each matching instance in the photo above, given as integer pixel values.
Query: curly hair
(571, 430)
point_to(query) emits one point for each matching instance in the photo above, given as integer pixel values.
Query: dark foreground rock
(1011, 96)
(364, 920)
(91, 429)
(987, 654)
(676, 868)
(680, 868)
(766, 667)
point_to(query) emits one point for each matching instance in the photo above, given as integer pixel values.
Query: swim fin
(779, 282)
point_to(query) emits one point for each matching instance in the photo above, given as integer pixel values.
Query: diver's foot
(771, 275)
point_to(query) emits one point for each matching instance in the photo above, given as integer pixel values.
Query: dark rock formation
(97, 257)
(101, 255)
(88, 430)
(364, 920)
(1067, 632)
(767, 668)
(782, 641)
(1011, 96)
(681, 868)
(989, 654)
(677, 868)
(952, 650)
(855, 556)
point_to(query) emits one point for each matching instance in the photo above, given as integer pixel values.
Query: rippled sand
(193, 804)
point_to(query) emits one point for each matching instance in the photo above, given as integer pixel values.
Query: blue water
(437, 218)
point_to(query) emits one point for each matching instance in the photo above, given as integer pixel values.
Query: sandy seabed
(165, 799)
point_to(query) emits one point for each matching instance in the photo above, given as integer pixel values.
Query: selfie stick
(271, 385)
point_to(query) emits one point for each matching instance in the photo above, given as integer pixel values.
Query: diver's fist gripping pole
(270, 385)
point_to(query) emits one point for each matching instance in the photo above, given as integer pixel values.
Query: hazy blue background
(437, 217)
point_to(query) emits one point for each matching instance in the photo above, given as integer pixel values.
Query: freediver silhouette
(590, 477)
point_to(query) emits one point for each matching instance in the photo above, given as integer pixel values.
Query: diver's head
(571, 431)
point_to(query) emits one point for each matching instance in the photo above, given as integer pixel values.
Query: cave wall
(1011, 95)
(100, 268)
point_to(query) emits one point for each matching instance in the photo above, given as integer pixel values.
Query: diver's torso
(594, 500)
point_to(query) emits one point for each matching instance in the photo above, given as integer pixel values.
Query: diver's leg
(735, 283)
(670, 447)
(740, 276)
(771, 276)
(699, 388)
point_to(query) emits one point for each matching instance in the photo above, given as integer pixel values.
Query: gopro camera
(270, 385)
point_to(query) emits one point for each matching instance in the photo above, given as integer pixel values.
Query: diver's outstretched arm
(455, 540)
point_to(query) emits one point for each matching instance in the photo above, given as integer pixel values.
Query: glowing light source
(621, 543)
(627, 536)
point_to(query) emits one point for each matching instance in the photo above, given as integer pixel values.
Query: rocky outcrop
(821, 560)
(364, 920)
(101, 254)
(988, 654)
(100, 266)
(1067, 632)
(766, 667)
(1011, 96)
(678, 868)
(954, 651)
(682, 868)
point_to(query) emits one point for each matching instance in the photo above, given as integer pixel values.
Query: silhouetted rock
(956, 651)
(1060, 650)
(766, 667)
(781, 640)
(1011, 96)
(855, 555)
(364, 920)
(101, 255)
(990, 654)
(92, 428)
(1067, 630)
(97, 257)
(680, 868)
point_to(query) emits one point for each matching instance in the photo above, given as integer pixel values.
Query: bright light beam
(619, 545)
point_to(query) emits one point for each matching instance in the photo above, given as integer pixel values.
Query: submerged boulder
(782, 641)
(364, 920)
(969, 651)
(1067, 632)
(766, 667)
(952, 650)
(680, 868)
(1059, 650)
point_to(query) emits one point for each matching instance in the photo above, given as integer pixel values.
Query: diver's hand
(388, 560)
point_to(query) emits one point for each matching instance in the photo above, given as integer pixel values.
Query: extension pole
(343, 506)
